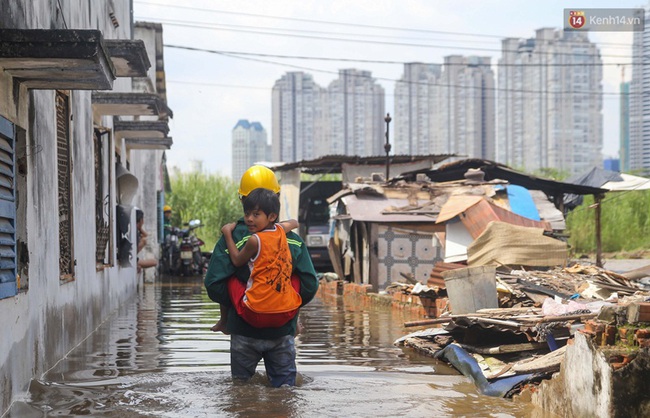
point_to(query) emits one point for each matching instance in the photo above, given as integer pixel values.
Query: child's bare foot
(219, 326)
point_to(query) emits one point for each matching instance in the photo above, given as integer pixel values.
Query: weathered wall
(587, 386)
(41, 324)
(148, 163)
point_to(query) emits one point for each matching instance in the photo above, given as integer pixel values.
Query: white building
(465, 108)
(297, 118)
(416, 118)
(550, 102)
(249, 146)
(639, 107)
(83, 128)
(356, 112)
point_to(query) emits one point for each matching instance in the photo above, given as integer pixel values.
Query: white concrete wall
(41, 324)
(583, 388)
(148, 163)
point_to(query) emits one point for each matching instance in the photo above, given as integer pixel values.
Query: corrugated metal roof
(493, 170)
(374, 209)
(333, 163)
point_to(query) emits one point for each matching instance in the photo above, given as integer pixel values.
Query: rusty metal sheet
(477, 217)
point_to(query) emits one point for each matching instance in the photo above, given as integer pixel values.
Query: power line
(239, 86)
(210, 25)
(303, 57)
(355, 25)
(400, 44)
(555, 94)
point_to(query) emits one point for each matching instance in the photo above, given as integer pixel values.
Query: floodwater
(157, 357)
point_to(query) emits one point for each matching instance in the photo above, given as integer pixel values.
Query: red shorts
(236, 290)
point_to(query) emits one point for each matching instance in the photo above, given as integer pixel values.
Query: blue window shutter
(8, 285)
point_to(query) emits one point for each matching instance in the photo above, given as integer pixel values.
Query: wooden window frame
(64, 160)
(103, 153)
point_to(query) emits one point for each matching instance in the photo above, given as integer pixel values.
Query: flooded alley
(157, 357)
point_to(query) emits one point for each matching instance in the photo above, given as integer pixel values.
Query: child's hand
(228, 228)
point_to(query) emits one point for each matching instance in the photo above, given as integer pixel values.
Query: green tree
(211, 198)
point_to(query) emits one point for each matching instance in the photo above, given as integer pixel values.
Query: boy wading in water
(270, 297)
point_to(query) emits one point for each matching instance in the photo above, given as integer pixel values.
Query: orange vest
(269, 288)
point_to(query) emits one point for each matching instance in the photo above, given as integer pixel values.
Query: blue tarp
(521, 202)
(469, 367)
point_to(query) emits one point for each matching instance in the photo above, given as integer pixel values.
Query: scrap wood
(618, 288)
(514, 311)
(561, 318)
(604, 277)
(501, 372)
(546, 363)
(428, 322)
(593, 270)
(506, 348)
(637, 274)
(422, 346)
(531, 287)
(511, 324)
(409, 277)
(439, 320)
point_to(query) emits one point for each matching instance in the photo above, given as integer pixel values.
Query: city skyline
(545, 112)
(209, 98)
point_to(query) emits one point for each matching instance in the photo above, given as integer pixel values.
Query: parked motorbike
(192, 262)
(181, 253)
(170, 258)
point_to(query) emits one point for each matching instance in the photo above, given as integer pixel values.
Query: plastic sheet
(469, 367)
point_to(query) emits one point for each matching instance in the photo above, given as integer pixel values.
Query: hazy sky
(210, 91)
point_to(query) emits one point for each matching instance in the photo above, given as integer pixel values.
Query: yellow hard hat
(167, 208)
(257, 177)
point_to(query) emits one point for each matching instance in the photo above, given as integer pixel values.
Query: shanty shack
(470, 211)
(300, 191)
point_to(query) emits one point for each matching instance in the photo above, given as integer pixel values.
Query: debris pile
(522, 342)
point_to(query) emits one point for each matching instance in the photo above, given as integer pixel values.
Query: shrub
(625, 223)
(212, 198)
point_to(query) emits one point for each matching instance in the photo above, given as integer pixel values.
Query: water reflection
(157, 357)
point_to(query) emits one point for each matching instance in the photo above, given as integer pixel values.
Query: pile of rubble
(522, 342)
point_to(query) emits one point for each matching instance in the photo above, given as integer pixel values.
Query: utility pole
(387, 119)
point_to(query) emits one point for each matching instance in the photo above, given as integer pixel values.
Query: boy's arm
(289, 225)
(220, 268)
(239, 258)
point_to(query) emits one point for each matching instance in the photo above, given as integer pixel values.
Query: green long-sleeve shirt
(221, 268)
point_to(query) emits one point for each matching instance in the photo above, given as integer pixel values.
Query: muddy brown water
(156, 357)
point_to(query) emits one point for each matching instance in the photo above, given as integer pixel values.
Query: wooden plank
(506, 348)
(335, 257)
(511, 324)
(356, 266)
(547, 363)
(560, 318)
(639, 273)
(426, 322)
(371, 256)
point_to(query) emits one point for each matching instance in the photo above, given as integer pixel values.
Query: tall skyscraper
(639, 146)
(416, 118)
(624, 123)
(298, 121)
(550, 102)
(356, 115)
(466, 108)
(249, 145)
